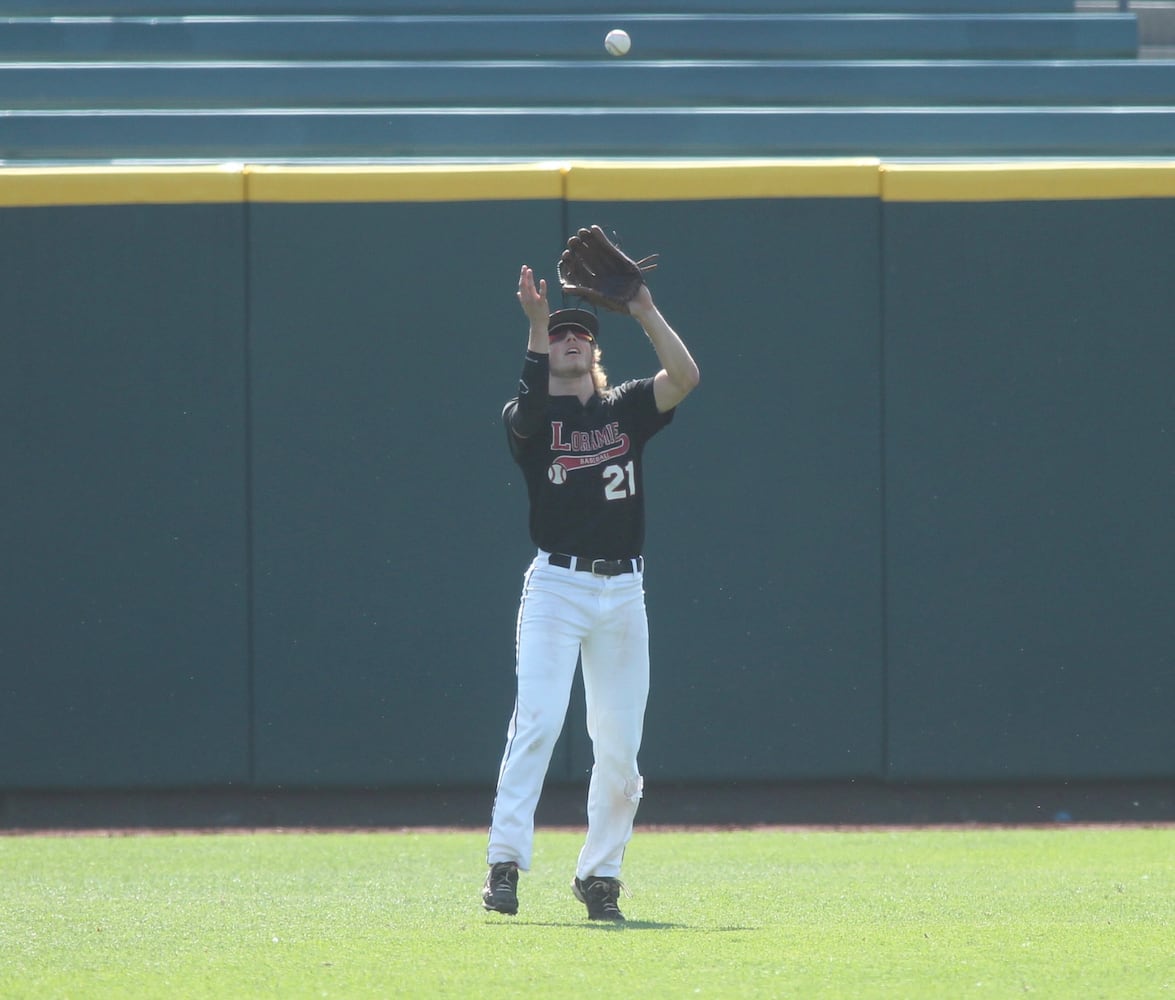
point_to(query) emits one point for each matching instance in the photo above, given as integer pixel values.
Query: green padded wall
(1030, 475)
(123, 629)
(261, 529)
(389, 537)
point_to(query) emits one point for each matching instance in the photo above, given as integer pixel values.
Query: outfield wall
(261, 528)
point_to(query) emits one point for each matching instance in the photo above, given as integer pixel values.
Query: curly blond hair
(599, 375)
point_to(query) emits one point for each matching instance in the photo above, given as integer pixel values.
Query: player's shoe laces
(500, 892)
(601, 896)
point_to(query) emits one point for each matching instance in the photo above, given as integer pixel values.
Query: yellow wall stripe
(1043, 181)
(45, 186)
(660, 180)
(440, 182)
(694, 180)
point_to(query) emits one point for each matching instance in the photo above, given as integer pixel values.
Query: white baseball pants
(567, 615)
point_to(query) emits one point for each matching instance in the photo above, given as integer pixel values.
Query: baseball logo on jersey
(584, 449)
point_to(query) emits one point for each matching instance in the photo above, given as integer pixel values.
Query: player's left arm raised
(679, 374)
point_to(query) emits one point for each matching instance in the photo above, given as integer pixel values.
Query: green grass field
(1078, 913)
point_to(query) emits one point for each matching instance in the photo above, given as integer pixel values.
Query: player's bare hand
(532, 297)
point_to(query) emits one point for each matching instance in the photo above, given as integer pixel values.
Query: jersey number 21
(619, 481)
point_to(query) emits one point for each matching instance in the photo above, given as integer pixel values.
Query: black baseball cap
(579, 318)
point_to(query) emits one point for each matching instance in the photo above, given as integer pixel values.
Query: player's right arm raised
(524, 415)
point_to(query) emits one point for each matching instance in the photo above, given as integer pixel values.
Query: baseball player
(580, 444)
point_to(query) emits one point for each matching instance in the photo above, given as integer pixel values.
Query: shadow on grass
(609, 927)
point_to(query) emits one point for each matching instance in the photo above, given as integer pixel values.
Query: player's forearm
(526, 416)
(537, 342)
(671, 351)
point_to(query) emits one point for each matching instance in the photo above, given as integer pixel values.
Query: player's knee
(634, 788)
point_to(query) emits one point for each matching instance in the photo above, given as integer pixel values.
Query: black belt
(597, 567)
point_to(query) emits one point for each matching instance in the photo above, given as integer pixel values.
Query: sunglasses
(556, 336)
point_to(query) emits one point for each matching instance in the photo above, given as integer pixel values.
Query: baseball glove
(594, 268)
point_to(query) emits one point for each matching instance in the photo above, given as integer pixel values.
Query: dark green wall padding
(261, 528)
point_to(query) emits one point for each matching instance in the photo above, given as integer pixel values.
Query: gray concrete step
(536, 133)
(553, 83)
(655, 36)
(342, 8)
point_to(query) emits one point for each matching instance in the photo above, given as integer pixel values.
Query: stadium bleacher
(266, 80)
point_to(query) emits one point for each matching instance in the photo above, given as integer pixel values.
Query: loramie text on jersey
(592, 440)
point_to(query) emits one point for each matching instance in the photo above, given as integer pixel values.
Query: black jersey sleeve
(639, 400)
(524, 414)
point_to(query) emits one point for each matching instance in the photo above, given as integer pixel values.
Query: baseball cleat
(600, 895)
(500, 892)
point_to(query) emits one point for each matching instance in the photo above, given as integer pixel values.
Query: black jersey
(583, 465)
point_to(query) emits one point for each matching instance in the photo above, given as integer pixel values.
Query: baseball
(617, 42)
(557, 474)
